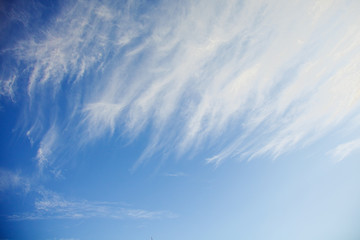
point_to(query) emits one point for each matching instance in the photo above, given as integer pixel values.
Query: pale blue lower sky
(302, 195)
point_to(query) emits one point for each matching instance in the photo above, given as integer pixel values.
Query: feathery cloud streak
(267, 77)
(51, 205)
(345, 149)
(59, 208)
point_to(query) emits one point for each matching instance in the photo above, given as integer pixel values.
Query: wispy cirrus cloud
(264, 77)
(51, 205)
(175, 174)
(345, 149)
(10, 180)
(7, 87)
(66, 239)
(46, 148)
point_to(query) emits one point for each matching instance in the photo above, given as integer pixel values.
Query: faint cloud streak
(343, 150)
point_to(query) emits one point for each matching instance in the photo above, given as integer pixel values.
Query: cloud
(66, 239)
(343, 150)
(244, 79)
(50, 205)
(176, 174)
(7, 88)
(12, 180)
(46, 149)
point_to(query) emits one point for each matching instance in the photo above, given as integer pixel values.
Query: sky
(206, 119)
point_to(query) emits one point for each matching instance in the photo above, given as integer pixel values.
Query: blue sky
(180, 119)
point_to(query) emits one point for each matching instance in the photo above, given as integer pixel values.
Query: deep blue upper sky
(180, 119)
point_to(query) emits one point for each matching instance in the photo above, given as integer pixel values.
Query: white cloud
(46, 148)
(10, 180)
(253, 76)
(343, 150)
(7, 87)
(176, 174)
(50, 205)
(66, 239)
